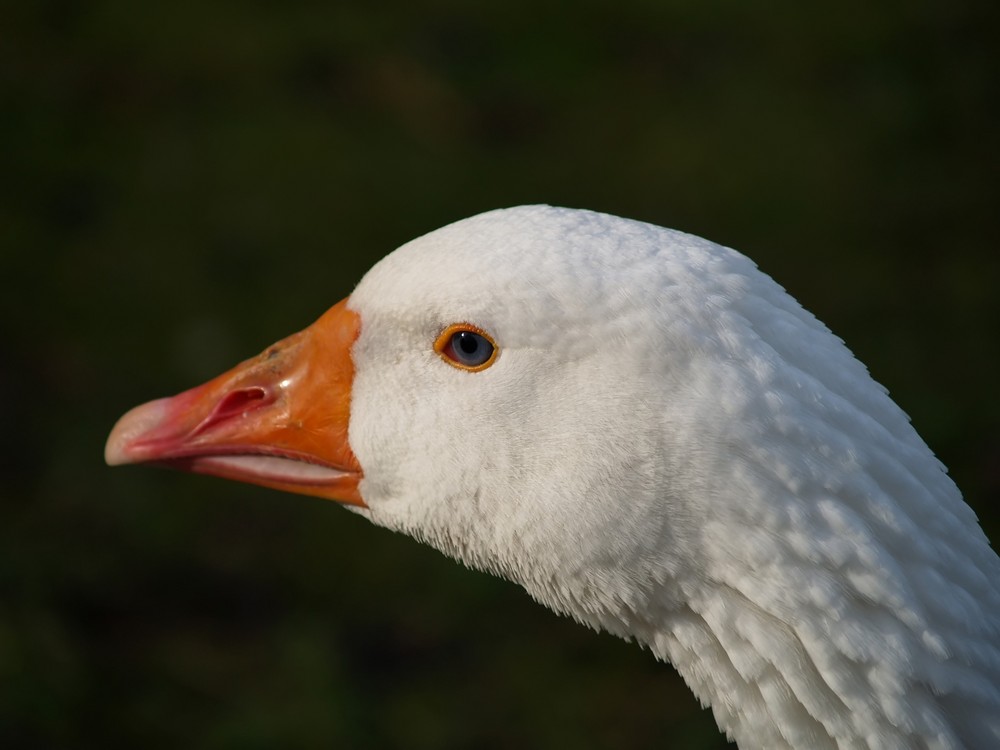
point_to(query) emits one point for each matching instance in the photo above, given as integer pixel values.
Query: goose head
(649, 435)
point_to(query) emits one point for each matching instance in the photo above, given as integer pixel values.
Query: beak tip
(114, 453)
(134, 424)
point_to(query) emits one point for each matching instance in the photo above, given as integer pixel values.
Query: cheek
(382, 421)
(425, 431)
(410, 428)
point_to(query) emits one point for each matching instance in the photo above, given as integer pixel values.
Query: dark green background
(183, 183)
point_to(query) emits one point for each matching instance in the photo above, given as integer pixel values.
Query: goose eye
(467, 347)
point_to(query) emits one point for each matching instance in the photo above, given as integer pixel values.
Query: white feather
(670, 448)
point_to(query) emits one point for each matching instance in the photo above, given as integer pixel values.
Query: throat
(756, 676)
(775, 683)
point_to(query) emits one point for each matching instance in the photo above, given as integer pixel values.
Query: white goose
(649, 435)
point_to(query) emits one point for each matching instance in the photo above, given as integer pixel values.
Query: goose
(649, 435)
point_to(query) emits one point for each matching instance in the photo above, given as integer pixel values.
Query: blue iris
(470, 348)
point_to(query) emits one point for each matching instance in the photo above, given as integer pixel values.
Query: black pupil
(468, 342)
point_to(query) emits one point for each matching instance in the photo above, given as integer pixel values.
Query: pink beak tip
(134, 424)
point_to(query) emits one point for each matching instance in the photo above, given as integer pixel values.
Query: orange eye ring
(452, 343)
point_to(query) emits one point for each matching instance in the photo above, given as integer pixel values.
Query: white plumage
(668, 447)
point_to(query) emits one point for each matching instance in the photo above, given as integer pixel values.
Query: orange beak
(279, 420)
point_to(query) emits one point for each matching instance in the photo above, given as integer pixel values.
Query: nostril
(238, 402)
(233, 404)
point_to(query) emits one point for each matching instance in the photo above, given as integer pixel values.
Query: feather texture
(671, 449)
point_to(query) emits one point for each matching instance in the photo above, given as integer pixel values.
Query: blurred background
(183, 183)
